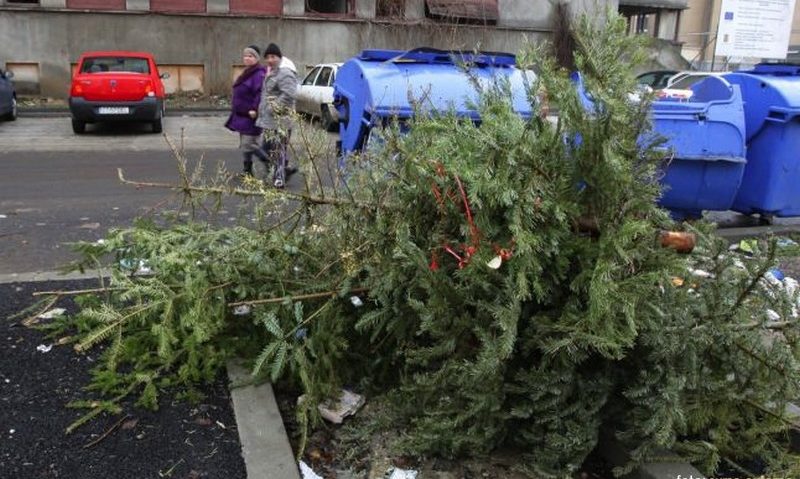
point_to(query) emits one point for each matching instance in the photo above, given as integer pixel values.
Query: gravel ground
(180, 440)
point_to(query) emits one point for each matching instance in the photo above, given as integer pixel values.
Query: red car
(116, 86)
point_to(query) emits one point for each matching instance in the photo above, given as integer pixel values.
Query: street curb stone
(265, 445)
(50, 276)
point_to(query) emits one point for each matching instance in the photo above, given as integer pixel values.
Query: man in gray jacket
(275, 111)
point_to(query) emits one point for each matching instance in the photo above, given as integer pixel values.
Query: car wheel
(78, 127)
(158, 125)
(13, 114)
(326, 119)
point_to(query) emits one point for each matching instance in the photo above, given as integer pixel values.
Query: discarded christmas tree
(503, 285)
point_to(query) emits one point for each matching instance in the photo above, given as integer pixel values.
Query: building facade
(199, 42)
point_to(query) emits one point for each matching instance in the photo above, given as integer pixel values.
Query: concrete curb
(50, 276)
(734, 235)
(265, 445)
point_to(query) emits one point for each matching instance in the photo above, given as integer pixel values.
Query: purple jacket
(246, 97)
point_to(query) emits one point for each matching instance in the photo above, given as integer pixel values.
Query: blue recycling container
(379, 85)
(705, 139)
(771, 183)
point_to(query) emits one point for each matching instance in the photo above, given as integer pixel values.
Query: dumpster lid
(778, 69)
(446, 57)
(394, 83)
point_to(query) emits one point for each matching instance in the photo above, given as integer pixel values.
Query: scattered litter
(778, 274)
(772, 277)
(100, 241)
(44, 348)
(349, 403)
(786, 242)
(89, 226)
(356, 301)
(3, 217)
(790, 285)
(202, 421)
(41, 224)
(242, 310)
(8, 381)
(301, 333)
(115, 208)
(700, 273)
(53, 313)
(221, 425)
(773, 316)
(140, 436)
(748, 246)
(129, 424)
(403, 474)
(140, 267)
(495, 262)
(84, 218)
(677, 282)
(307, 472)
(12, 431)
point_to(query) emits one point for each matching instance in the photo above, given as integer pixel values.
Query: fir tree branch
(34, 318)
(188, 189)
(106, 434)
(99, 335)
(770, 413)
(300, 297)
(758, 358)
(76, 292)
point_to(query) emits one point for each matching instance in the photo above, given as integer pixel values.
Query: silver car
(8, 97)
(315, 95)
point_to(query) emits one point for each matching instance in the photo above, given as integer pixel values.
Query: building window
(26, 77)
(258, 7)
(329, 7)
(390, 8)
(178, 6)
(97, 4)
(23, 2)
(480, 12)
(183, 78)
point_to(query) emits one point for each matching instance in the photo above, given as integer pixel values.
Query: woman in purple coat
(244, 107)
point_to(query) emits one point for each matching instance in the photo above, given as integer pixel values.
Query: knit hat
(253, 50)
(273, 49)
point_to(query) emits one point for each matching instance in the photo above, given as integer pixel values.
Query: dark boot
(248, 164)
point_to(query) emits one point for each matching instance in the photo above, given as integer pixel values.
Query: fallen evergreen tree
(501, 285)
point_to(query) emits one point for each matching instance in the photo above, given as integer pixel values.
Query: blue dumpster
(705, 137)
(771, 184)
(381, 84)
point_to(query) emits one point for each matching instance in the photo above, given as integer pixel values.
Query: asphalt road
(56, 187)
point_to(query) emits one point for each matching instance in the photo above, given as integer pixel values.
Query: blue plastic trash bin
(771, 183)
(706, 138)
(378, 85)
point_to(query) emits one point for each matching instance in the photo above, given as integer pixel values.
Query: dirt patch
(38, 378)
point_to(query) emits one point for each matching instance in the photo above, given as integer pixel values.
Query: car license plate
(113, 110)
